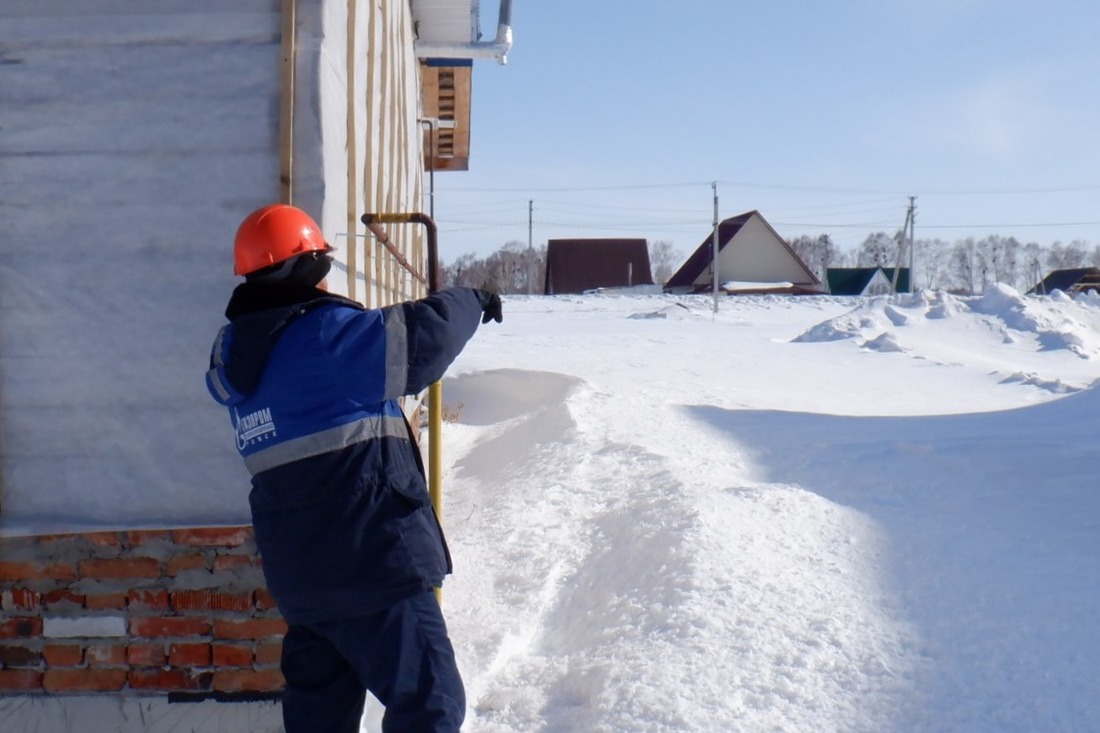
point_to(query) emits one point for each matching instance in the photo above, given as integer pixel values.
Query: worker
(350, 543)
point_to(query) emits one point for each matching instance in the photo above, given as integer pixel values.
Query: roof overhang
(448, 39)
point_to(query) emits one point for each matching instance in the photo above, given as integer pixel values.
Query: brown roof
(577, 265)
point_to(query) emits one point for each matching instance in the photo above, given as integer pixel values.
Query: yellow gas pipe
(435, 390)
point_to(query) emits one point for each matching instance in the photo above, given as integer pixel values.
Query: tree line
(963, 266)
(517, 268)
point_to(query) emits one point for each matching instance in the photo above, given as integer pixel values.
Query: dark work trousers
(402, 655)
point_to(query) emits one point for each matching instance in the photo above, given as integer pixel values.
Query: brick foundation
(137, 613)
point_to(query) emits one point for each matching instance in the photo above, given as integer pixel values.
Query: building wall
(134, 143)
(756, 255)
(137, 612)
(879, 285)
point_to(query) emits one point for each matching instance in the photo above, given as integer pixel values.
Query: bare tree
(967, 267)
(878, 250)
(931, 260)
(817, 253)
(514, 268)
(1032, 257)
(664, 259)
(1065, 257)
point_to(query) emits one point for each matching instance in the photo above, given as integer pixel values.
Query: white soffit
(446, 21)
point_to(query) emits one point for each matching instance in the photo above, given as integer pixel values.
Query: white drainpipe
(497, 49)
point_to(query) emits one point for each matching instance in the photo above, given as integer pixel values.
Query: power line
(1006, 226)
(791, 187)
(621, 187)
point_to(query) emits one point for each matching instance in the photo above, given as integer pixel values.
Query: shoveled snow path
(747, 603)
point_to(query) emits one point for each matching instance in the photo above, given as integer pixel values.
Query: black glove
(490, 306)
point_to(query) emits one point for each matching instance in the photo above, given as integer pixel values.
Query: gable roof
(577, 265)
(854, 280)
(728, 229)
(1069, 280)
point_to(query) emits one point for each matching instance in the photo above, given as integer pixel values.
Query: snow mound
(1054, 323)
(884, 342)
(1055, 386)
(848, 326)
(676, 311)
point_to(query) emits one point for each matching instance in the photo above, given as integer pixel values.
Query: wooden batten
(287, 83)
(352, 203)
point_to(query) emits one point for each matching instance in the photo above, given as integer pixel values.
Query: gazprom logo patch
(254, 427)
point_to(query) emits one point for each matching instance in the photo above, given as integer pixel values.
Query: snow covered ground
(794, 514)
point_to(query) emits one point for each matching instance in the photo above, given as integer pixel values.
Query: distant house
(577, 265)
(752, 258)
(866, 280)
(1076, 280)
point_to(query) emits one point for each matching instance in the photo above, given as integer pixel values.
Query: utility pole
(530, 247)
(714, 246)
(912, 241)
(906, 240)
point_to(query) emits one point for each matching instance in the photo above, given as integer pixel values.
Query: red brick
(106, 655)
(17, 570)
(137, 537)
(103, 539)
(269, 652)
(191, 561)
(15, 655)
(256, 628)
(62, 597)
(22, 599)
(231, 655)
(212, 536)
(20, 627)
(36, 571)
(83, 680)
(20, 679)
(63, 655)
(229, 562)
(189, 655)
(168, 626)
(264, 600)
(105, 601)
(147, 655)
(155, 599)
(155, 678)
(120, 567)
(211, 600)
(242, 680)
(45, 538)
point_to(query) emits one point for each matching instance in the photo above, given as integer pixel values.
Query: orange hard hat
(274, 234)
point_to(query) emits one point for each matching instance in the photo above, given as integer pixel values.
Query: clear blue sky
(825, 117)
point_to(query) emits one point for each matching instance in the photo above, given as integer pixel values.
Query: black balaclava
(304, 270)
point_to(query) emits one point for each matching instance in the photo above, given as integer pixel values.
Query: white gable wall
(756, 254)
(879, 285)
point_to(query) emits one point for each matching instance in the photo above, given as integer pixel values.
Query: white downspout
(497, 49)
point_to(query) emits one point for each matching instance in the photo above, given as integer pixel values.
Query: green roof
(853, 280)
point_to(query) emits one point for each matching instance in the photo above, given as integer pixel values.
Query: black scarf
(253, 297)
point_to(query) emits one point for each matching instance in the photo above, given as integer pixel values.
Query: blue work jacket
(339, 500)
